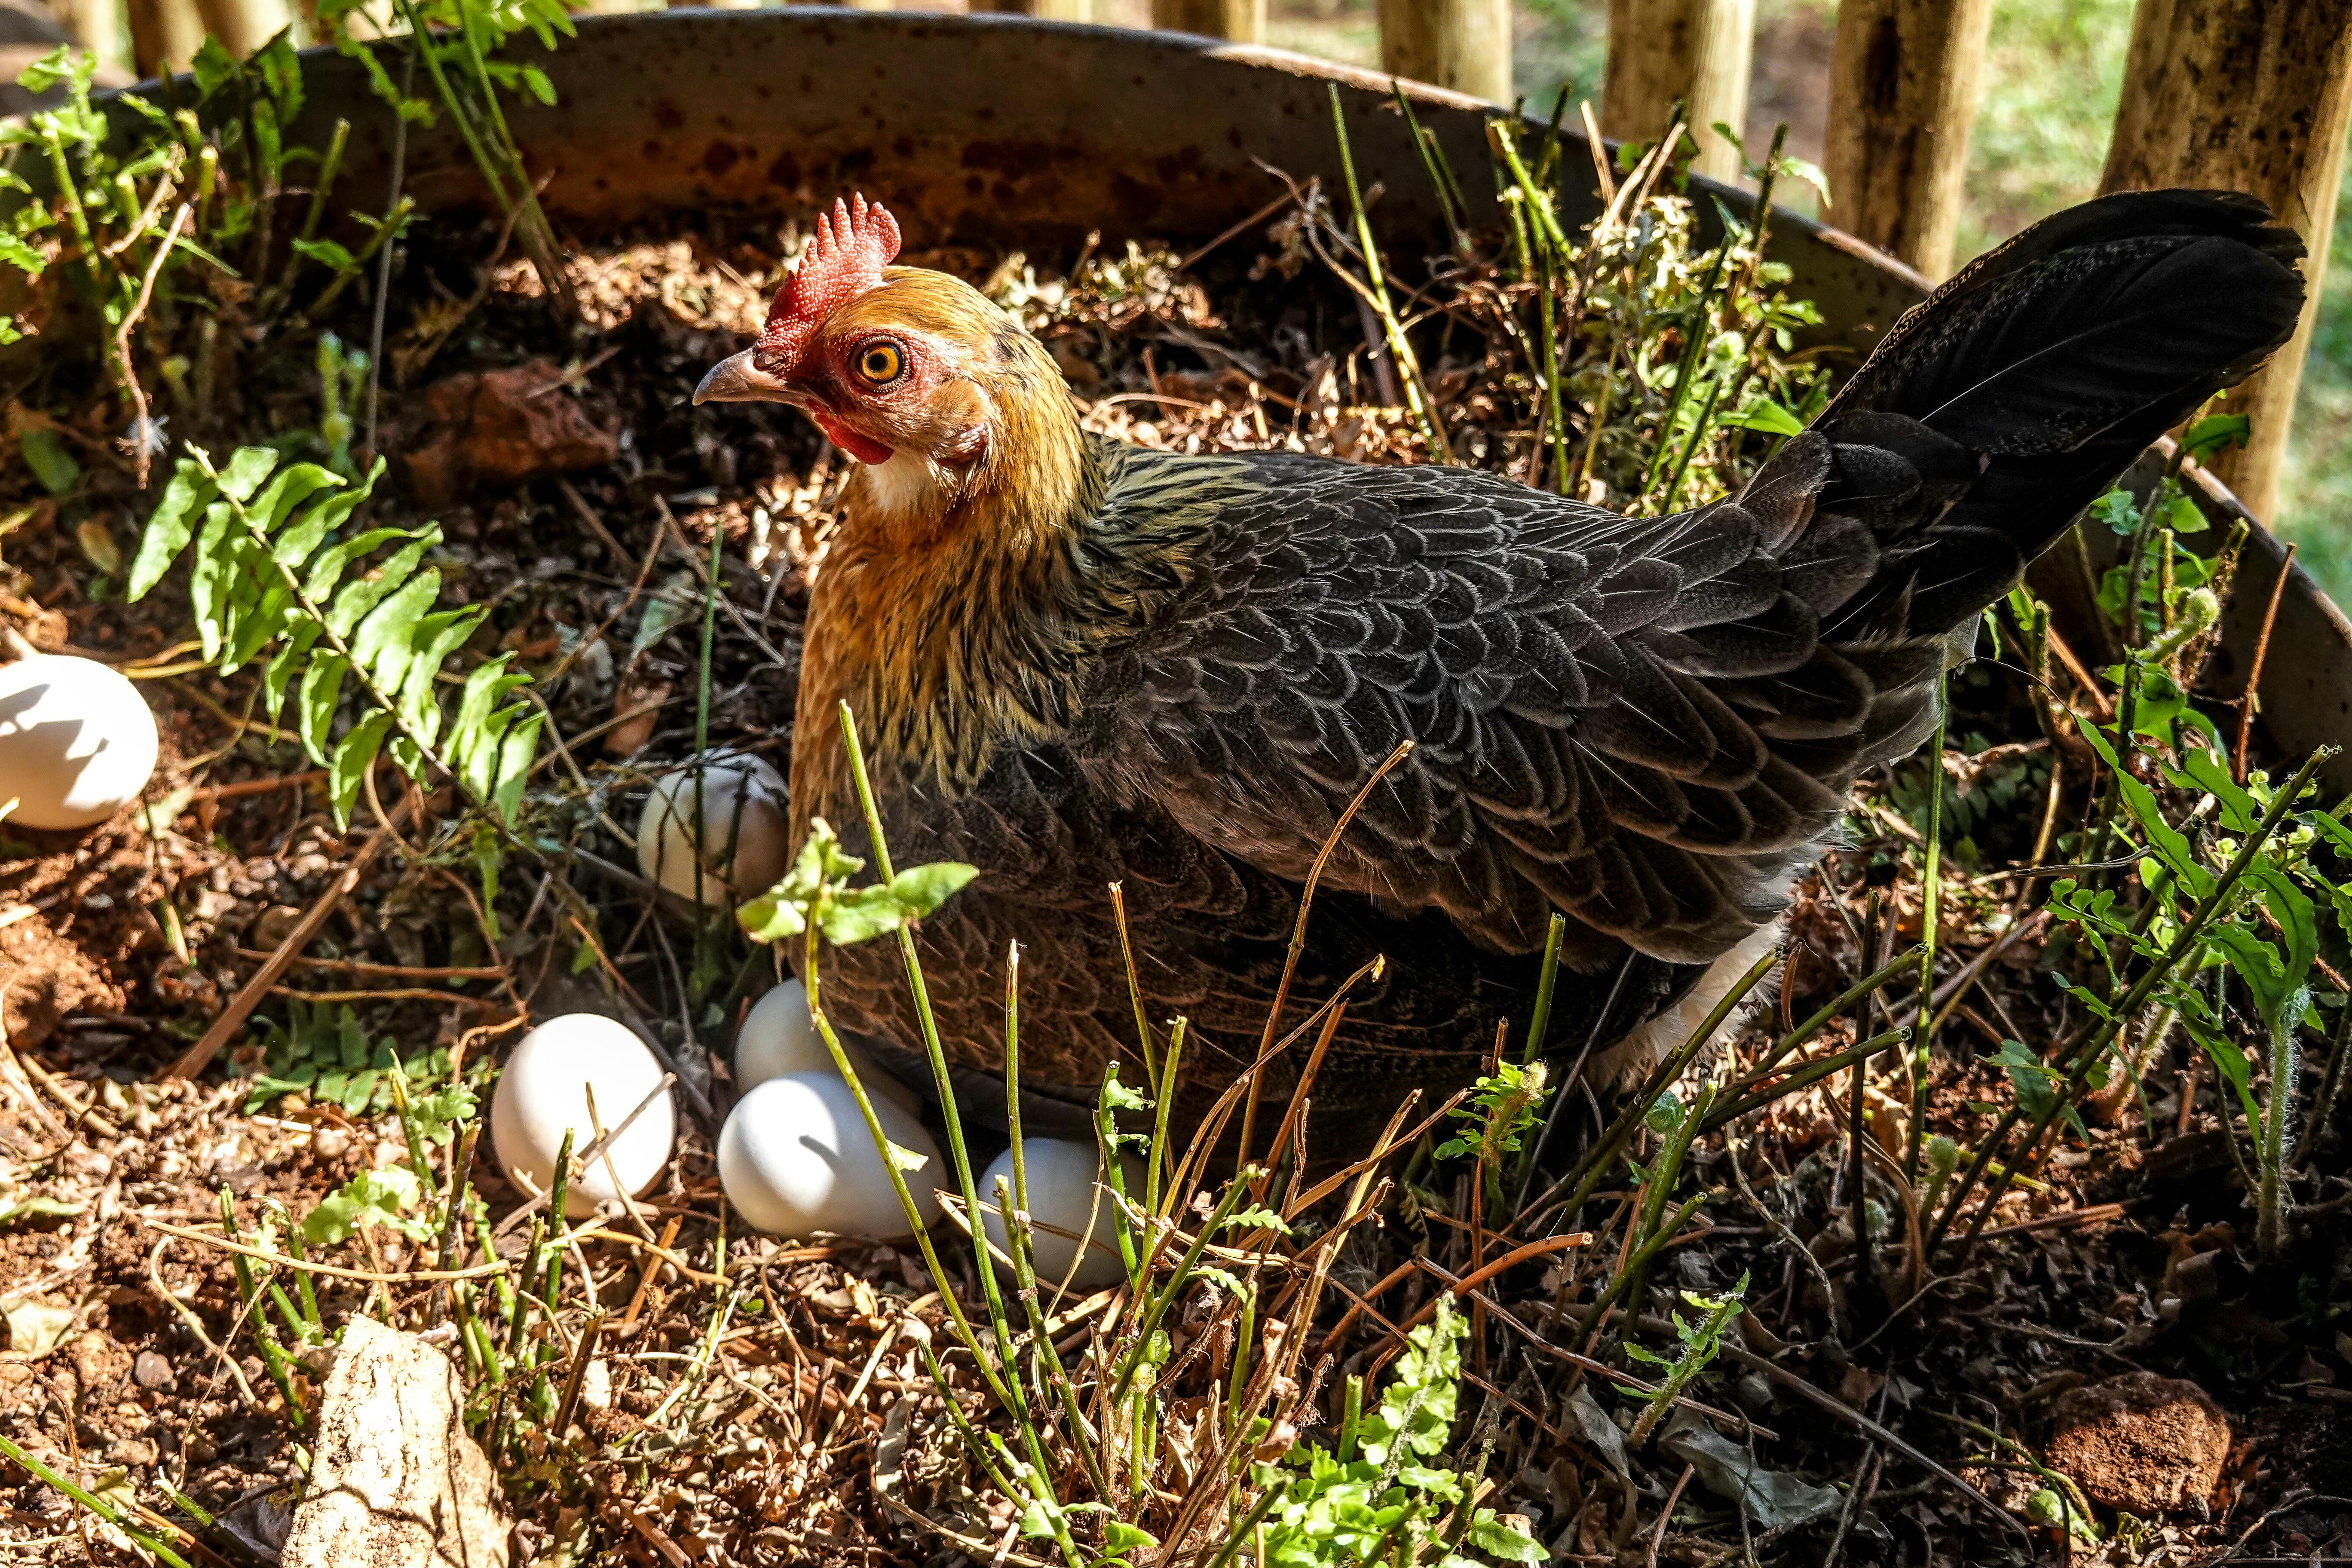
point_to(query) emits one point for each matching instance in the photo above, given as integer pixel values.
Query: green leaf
(384, 643)
(2118, 511)
(323, 686)
(213, 66)
(280, 70)
(370, 1198)
(2205, 768)
(439, 1116)
(287, 490)
(63, 64)
(436, 636)
(247, 467)
(921, 889)
(1118, 1536)
(354, 755)
(2183, 516)
(45, 455)
(2215, 431)
(357, 600)
(14, 251)
(1769, 416)
(515, 754)
(667, 608)
(328, 254)
(2031, 1079)
(769, 917)
(326, 571)
(168, 526)
(37, 1207)
(2141, 803)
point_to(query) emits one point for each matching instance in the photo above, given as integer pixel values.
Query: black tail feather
(2019, 390)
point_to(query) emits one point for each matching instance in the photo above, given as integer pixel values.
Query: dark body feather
(1646, 725)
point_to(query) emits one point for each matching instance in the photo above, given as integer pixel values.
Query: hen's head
(907, 369)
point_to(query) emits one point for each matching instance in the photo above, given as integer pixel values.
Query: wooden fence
(2250, 94)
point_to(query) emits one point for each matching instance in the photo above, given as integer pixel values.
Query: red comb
(846, 259)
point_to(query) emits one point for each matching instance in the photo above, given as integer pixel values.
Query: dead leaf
(36, 1327)
(637, 705)
(1598, 1428)
(1775, 1501)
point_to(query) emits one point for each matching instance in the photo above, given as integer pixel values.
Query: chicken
(1076, 662)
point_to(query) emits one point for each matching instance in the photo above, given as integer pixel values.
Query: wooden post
(1692, 51)
(95, 26)
(1238, 21)
(242, 26)
(164, 34)
(1048, 10)
(1903, 96)
(2243, 95)
(1462, 44)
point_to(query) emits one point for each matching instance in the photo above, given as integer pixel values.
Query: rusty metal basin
(1002, 132)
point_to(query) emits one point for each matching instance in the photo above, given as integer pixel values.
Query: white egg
(545, 1090)
(796, 1159)
(746, 836)
(1062, 1179)
(76, 741)
(778, 1037)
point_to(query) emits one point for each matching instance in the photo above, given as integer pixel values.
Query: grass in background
(2315, 491)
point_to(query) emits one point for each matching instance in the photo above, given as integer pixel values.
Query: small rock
(274, 925)
(151, 1371)
(2146, 1445)
(396, 1481)
(500, 428)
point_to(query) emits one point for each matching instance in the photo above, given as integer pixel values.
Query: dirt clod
(499, 427)
(2147, 1445)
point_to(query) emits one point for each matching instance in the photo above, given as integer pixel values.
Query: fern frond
(271, 574)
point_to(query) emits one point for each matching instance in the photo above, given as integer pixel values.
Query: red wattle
(863, 448)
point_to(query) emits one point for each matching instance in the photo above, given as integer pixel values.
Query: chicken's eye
(880, 363)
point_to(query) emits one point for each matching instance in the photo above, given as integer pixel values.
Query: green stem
(1181, 1275)
(1009, 1387)
(1811, 1073)
(811, 979)
(1416, 394)
(2081, 1050)
(1546, 982)
(1163, 1094)
(1588, 1172)
(2285, 1063)
(1931, 891)
(97, 1505)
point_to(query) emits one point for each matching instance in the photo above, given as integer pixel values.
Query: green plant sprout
(1504, 1106)
(456, 42)
(1382, 1495)
(1699, 1343)
(321, 1052)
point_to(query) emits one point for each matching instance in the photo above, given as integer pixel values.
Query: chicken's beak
(736, 379)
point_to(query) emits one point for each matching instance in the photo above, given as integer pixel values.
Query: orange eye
(880, 363)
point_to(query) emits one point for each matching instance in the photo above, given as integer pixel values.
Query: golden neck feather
(944, 596)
